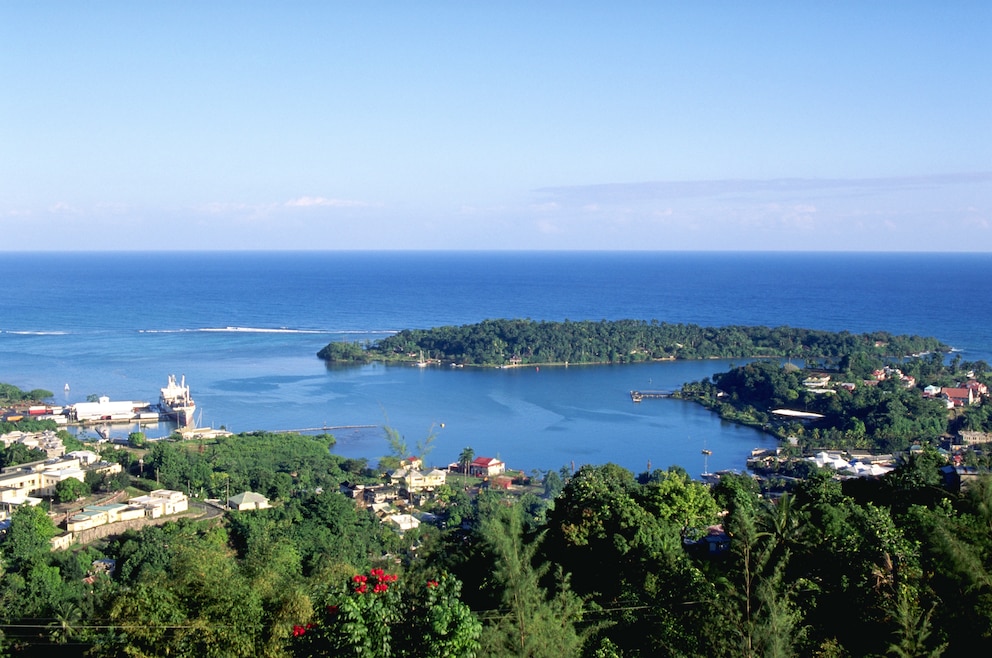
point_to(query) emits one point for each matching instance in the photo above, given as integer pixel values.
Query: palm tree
(464, 459)
(67, 615)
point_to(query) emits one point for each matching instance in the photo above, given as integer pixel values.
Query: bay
(245, 327)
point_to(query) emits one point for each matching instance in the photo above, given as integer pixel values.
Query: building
(161, 502)
(402, 522)
(106, 409)
(249, 500)
(486, 467)
(48, 441)
(959, 397)
(37, 478)
(413, 480)
(97, 515)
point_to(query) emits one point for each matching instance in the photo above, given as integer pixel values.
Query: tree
(534, 622)
(70, 489)
(465, 458)
(29, 537)
(374, 616)
(671, 496)
(18, 453)
(137, 440)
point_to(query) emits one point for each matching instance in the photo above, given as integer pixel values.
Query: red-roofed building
(961, 397)
(978, 387)
(486, 467)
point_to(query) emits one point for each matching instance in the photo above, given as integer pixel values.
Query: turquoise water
(245, 328)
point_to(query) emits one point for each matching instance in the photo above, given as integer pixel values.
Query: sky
(783, 126)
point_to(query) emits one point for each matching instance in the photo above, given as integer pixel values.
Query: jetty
(637, 396)
(324, 428)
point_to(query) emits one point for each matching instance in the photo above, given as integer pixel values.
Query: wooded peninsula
(504, 342)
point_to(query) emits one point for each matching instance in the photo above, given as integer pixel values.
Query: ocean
(244, 328)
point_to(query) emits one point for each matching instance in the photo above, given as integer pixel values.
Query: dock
(324, 429)
(637, 396)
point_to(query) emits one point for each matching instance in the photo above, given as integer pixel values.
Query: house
(351, 490)
(959, 397)
(435, 478)
(378, 494)
(402, 522)
(407, 478)
(85, 457)
(486, 467)
(978, 387)
(716, 540)
(957, 478)
(92, 516)
(382, 510)
(47, 441)
(814, 381)
(161, 502)
(248, 500)
(61, 542)
(413, 480)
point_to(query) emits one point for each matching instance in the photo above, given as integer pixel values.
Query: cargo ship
(176, 404)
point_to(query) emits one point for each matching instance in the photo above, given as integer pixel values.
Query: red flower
(432, 583)
(359, 578)
(362, 588)
(378, 573)
(300, 630)
(381, 587)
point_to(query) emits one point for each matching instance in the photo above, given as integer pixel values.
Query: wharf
(637, 396)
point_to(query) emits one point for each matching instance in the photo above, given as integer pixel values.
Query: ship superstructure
(176, 402)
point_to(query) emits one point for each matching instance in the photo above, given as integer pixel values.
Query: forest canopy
(503, 342)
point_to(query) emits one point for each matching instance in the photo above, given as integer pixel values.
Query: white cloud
(62, 208)
(323, 202)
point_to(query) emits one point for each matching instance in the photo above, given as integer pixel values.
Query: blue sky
(511, 125)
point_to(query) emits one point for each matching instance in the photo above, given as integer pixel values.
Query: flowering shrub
(373, 617)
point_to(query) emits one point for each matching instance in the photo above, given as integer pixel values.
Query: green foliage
(532, 621)
(28, 539)
(501, 342)
(18, 453)
(10, 394)
(621, 543)
(187, 597)
(271, 464)
(70, 489)
(343, 353)
(888, 416)
(374, 616)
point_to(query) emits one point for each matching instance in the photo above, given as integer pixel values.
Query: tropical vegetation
(506, 342)
(863, 406)
(596, 562)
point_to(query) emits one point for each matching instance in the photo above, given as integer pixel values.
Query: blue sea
(244, 329)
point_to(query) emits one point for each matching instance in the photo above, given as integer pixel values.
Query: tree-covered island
(504, 342)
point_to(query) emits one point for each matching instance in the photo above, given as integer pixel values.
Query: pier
(637, 396)
(324, 429)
